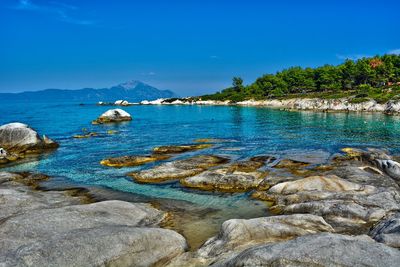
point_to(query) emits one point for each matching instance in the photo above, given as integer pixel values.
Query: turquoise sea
(248, 131)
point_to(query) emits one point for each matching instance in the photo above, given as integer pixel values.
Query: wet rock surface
(179, 169)
(113, 116)
(126, 161)
(180, 148)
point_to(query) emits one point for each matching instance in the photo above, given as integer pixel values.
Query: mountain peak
(130, 84)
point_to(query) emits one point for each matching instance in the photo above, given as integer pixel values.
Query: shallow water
(248, 130)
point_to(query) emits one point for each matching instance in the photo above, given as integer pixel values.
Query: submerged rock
(178, 169)
(388, 231)
(86, 135)
(113, 115)
(239, 176)
(126, 161)
(324, 249)
(291, 164)
(179, 148)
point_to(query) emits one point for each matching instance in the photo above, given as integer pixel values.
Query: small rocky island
(345, 213)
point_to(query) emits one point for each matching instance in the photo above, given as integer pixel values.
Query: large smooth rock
(179, 169)
(112, 233)
(319, 183)
(238, 234)
(126, 161)
(237, 177)
(323, 249)
(112, 116)
(388, 231)
(18, 138)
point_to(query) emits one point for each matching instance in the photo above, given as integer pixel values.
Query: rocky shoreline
(345, 213)
(313, 104)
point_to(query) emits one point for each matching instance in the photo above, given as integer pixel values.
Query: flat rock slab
(180, 148)
(129, 161)
(319, 183)
(179, 169)
(324, 249)
(226, 179)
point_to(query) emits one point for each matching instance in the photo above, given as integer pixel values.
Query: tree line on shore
(374, 77)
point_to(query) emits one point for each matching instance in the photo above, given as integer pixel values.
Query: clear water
(250, 131)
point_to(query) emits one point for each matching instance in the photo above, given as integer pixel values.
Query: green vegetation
(377, 78)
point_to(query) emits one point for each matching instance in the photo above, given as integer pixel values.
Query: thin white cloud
(352, 57)
(394, 52)
(151, 73)
(214, 57)
(60, 10)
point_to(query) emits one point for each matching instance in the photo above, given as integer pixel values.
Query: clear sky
(190, 47)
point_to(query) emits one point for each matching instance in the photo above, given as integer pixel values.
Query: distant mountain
(132, 91)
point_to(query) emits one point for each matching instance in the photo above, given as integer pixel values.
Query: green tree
(237, 84)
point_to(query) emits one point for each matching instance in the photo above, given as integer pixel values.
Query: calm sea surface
(249, 131)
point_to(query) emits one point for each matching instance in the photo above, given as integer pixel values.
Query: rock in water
(113, 115)
(179, 169)
(323, 249)
(237, 177)
(18, 139)
(179, 149)
(19, 136)
(126, 161)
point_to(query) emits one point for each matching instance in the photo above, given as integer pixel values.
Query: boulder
(127, 161)
(20, 137)
(113, 116)
(179, 148)
(239, 234)
(323, 249)
(387, 231)
(179, 169)
(112, 233)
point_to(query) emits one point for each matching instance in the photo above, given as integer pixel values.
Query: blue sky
(191, 47)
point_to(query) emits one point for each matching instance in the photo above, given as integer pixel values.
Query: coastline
(391, 107)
